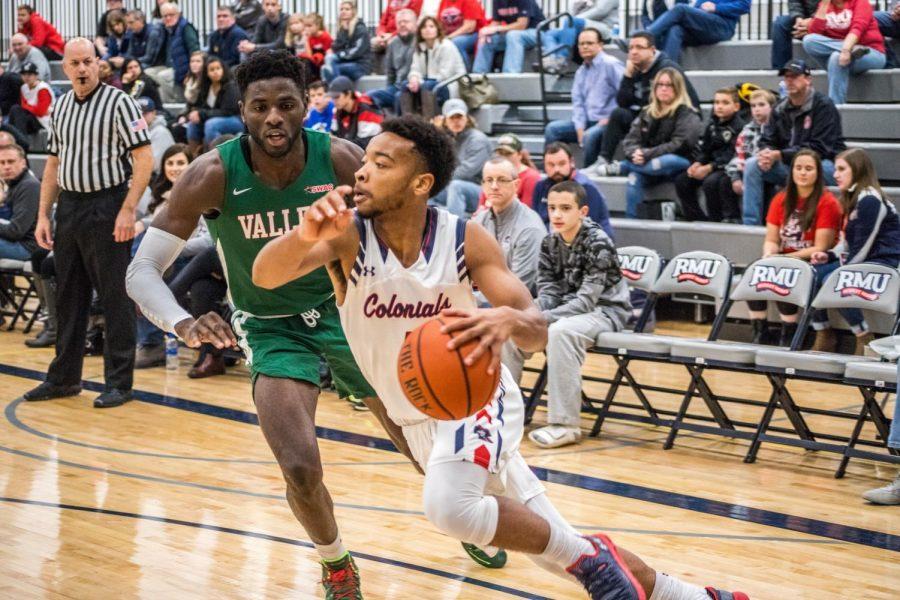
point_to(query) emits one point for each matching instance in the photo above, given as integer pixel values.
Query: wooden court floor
(176, 496)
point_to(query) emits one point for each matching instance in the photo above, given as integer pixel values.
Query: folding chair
(870, 378)
(691, 273)
(15, 297)
(864, 286)
(777, 278)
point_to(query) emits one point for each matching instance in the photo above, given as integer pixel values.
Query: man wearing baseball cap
(357, 119)
(32, 114)
(160, 136)
(806, 118)
(473, 149)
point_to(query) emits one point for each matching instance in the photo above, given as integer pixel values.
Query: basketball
(436, 380)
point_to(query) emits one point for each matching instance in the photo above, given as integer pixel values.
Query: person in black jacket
(805, 119)
(351, 52)
(787, 28)
(644, 62)
(217, 111)
(712, 154)
(269, 30)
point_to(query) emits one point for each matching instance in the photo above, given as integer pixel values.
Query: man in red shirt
(41, 34)
(461, 21)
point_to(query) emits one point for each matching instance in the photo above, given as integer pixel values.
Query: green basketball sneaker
(340, 578)
(481, 557)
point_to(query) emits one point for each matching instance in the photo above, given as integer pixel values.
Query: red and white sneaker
(715, 594)
(604, 574)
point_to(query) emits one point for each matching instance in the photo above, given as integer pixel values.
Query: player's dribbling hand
(327, 217)
(490, 326)
(210, 328)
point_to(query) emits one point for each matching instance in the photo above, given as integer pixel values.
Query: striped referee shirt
(92, 138)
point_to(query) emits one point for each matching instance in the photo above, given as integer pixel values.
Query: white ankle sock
(333, 551)
(669, 588)
(565, 546)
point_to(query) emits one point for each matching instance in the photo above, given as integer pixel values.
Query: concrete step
(859, 121)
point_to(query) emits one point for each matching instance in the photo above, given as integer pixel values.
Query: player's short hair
(570, 187)
(554, 147)
(431, 143)
(731, 92)
(318, 84)
(766, 95)
(269, 64)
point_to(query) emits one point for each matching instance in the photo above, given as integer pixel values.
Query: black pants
(23, 120)
(619, 123)
(10, 91)
(721, 201)
(87, 258)
(50, 53)
(201, 286)
(783, 307)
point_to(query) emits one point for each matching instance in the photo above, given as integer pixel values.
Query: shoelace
(344, 582)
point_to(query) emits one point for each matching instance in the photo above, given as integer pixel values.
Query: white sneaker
(888, 495)
(554, 436)
(592, 169)
(609, 170)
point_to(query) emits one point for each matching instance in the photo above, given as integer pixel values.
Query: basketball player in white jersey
(396, 263)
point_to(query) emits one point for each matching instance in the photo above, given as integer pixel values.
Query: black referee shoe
(112, 398)
(51, 391)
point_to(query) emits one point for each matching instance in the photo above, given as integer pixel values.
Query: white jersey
(385, 300)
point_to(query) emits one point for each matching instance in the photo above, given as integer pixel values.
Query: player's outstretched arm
(324, 233)
(513, 314)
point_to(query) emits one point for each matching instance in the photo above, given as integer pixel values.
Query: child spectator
(356, 118)
(351, 53)
(33, 113)
(747, 144)
(311, 43)
(714, 151)
(321, 108)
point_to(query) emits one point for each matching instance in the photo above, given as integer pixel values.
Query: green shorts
(291, 348)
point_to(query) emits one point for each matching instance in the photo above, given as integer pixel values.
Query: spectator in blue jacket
(138, 36)
(594, 92)
(168, 56)
(559, 166)
(683, 25)
(228, 35)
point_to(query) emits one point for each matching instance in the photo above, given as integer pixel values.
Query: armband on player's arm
(144, 280)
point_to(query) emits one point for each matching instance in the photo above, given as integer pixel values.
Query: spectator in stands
(101, 41)
(594, 91)
(23, 195)
(435, 59)
(398, 60)
(41, 34)
(9, 135)
(806, 118)
(581, 294)
(512, 31)
(711, 22)
(559, 166)
(351, 52)
(170, 64)
(713, 152)
(315, 43)
(461, 21)
(137, 84)
(643, 64)
(320, 115)
(387, 24)
(247, 14)
(802, 220)
(844, 38)
(602, 15)
(217, 110)
(871, 234)
(473, 149)
(790, 27)
(139, 36)
(356, 118)
(510, 147)
(269, 31)
(160, 137)
(889, 26)
(193, 79)
(747, 143)
(660, 140)
(10, 91)
(115, 38)
(108, 76)
(225, 41)
(33, 113)
(22, 52)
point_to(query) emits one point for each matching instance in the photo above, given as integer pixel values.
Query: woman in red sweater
(844, 38)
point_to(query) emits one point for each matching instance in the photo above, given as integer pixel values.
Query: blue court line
(844, 533)
(281, 540)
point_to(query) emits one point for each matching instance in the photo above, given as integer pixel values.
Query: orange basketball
(436, 380)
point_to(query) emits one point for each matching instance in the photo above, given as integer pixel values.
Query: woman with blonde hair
(659, 145)
(351, 53)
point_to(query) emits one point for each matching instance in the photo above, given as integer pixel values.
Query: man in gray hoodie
(397, 60)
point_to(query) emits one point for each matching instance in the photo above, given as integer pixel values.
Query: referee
(94, 129)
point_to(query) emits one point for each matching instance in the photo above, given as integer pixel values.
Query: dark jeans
(201, 286)
(721, 201)
(619, 123)
(889, 29)
(387, 98)
(10, 91)
(425, 102)
(23, 120)
(50, 53)
(684, 25)
(87, 258)
(782, 40)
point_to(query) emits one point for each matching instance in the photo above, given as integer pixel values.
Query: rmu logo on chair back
(868, 286)
(699, 271)
(633, 267)
(779, 280)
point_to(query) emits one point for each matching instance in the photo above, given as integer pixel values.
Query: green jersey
(253, 213)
